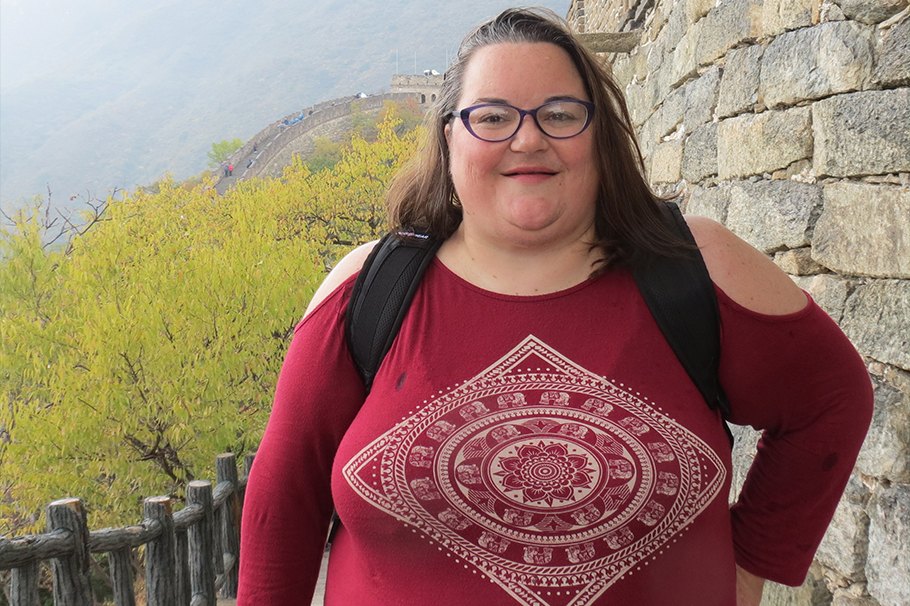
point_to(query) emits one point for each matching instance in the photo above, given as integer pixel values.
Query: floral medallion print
(548, 479)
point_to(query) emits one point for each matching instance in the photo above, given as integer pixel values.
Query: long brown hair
(627, 219)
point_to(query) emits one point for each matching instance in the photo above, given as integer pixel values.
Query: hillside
(96, 95)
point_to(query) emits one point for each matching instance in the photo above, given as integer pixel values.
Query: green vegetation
(221, 151)
(152, 340)
(405, 117)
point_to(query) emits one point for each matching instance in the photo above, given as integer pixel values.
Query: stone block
(886, 450)
(888, 566)
(682, 62)
(739, 85)
(780, 16)
(893, 56)
(828, 290)
(648, 136)
(843, 598)
(796, 262)
(699, 159)
(674, 109)
(763, 143)
(843, 549)
(666, 161)
(729, 24)
(701, 98)
(865, 133)
(877, 321)
(870, 11)
(773, 215)
(864, 230)
(745, 447)
(638, 102)
(675, 28)
(696, 9)
(711, 202)
(816, 62)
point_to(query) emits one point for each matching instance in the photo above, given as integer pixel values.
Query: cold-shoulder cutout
(744, 273)
(347, 267)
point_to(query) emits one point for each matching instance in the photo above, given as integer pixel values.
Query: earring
(455, 201)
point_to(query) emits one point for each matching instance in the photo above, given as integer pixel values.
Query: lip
(529, 174)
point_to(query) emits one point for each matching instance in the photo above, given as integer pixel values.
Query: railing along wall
(190, 555)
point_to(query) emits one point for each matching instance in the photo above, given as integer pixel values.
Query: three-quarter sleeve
(288, 503)
(799, 380)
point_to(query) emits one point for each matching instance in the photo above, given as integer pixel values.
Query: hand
(748, 588)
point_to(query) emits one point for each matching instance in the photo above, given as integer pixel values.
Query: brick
(864, 230)
(871, 11)
(763, 143)
(773, 215)
(699, 159)
(865, 133)
(738, 91)
(729, 24)
(666, 161)
(893, 56)
(816, 62)
(711, 202)
(701, 98)
(779, 16)
(876, 320)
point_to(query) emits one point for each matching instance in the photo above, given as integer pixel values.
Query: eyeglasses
(494, 122)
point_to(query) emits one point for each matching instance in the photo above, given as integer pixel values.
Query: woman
(531, 438)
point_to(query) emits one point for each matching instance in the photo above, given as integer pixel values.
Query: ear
(448, 132)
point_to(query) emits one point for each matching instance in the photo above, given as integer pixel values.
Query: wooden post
(202, 572)
(24, 585)
(182, 553)
(226, 469)
(160, 558)
(121, 577)
(72, 584)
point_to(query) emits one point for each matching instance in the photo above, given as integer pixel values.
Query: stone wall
(278, 142)
(789, 122)
(427, 87)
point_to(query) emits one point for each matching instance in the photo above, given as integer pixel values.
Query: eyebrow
(499, 101)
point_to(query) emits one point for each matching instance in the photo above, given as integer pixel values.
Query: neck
(516, 269)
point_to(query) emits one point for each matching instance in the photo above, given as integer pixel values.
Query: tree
(221, 151)
(152, 342)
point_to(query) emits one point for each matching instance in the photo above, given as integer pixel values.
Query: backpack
(678, 291)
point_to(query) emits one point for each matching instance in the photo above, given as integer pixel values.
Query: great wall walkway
(252, 159)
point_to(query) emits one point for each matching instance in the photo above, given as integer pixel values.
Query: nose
(529, 138)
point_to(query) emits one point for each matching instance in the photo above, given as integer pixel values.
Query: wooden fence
(189, 555)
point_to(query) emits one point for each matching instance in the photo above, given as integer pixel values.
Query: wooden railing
(189, 555)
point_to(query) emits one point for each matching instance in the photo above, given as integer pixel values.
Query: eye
(562, 113)
(492, 115)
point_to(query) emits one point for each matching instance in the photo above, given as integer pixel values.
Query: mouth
(531, 171)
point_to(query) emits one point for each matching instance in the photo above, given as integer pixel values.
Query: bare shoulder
(744, 273)
(347, 267)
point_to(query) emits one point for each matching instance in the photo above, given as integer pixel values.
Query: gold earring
(455, 201)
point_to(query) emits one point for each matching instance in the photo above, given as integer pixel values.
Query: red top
(546, 450)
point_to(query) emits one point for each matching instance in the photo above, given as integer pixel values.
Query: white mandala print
(545, 477)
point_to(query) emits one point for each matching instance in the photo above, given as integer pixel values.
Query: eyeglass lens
(559, 119)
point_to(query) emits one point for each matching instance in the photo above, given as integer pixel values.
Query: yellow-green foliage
(130, 360)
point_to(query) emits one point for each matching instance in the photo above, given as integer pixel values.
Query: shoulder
(347, 267)
(745, 274)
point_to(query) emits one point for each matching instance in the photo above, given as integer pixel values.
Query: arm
(288, 502)
(789, 371)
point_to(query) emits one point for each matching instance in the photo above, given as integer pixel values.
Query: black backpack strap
(681, 297)
(381, 296)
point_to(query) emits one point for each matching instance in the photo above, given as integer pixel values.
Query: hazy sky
(98, 94)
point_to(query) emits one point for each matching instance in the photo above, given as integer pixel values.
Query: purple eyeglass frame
(466, 112)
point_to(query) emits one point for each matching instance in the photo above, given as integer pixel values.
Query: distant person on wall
(225, 166)
(530, 437)
(230, 169)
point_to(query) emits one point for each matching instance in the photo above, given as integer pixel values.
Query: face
(530, 190)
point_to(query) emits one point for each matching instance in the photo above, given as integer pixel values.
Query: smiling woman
(530, 438)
